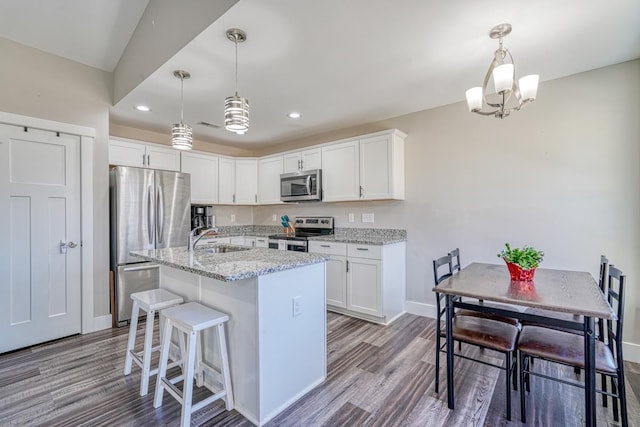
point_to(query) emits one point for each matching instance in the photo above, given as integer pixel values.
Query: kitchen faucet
(193, 240)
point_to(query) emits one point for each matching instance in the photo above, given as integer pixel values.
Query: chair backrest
(615, 298)
(604, 263)
(439, 274)
(455, 264)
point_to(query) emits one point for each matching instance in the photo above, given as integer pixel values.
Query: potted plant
(521, 262)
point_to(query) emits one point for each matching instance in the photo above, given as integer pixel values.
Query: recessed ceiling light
(142, 108)
(294, 115)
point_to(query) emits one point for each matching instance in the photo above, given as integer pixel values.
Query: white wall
(561, 175)
(37, 84)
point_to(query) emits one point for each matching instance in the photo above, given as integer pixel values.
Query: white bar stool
(149, 301)
(191, 319)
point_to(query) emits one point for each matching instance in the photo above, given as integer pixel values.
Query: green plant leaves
(526, 257)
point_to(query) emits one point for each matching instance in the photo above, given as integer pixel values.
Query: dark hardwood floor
(377, 376)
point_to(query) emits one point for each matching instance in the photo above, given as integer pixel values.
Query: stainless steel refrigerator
(149, 209)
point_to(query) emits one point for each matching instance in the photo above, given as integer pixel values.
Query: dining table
(563, 291)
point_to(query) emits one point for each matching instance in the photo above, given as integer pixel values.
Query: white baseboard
(420, 309)
(631, 352)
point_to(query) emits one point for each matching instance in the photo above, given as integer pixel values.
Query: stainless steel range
(305, 227)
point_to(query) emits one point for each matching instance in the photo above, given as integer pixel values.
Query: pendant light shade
(236, 108)
(181, 133)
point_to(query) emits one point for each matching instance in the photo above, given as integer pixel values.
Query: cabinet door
(246, 181)
(237, 240)
(340, 172)
(337, 281)
(226, 181)
(375, 167)
(364, 286)
(311, 159)
(291, 162)
(164, 158)
(250, 241)
(204, 177)
(262, 242)
(269, 171)
(124, 153)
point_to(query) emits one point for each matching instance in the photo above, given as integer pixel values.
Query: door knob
(64, 245)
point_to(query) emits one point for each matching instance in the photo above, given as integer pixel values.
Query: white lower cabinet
(365, 281)
(262, 242)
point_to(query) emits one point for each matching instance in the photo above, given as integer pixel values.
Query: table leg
(450, 351)
(590, 372)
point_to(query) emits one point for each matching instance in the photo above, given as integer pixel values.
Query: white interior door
(39, 214)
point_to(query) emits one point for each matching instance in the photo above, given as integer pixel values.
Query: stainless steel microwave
(305, 186)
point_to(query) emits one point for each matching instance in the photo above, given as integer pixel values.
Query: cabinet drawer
(364, 251)
(328, 248)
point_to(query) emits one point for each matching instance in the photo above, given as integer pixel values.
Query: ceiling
(338, 63)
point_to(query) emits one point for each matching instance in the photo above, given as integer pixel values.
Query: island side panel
(292, 347)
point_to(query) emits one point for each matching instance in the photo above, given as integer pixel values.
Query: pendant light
(181, 133)
(509, 95)
(236, 108)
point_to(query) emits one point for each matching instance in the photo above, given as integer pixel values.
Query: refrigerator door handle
(149, 215)
(145, 267)
(160, 216)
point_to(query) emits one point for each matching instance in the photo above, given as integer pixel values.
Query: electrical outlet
(233, 217)
(367, 217)
(274, 217)
(351, 217)
(297, 306)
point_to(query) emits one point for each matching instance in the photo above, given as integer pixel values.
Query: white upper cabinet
(369, 168)
(143, 155)
(340, 172)
(382, 167)
(204, 176)
(269, 170)
(226, 181)
(246, 182)
(303, 160)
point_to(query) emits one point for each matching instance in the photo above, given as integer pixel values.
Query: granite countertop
(230, 266)
(365, 236)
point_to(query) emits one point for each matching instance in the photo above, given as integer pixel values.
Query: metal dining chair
(568, 349)
(481, 332)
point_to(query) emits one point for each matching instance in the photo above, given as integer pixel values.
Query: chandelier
(181, 133)
(509, 95)
(236, 108)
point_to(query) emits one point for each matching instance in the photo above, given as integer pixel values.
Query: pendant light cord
(181, 98)
(236, 43)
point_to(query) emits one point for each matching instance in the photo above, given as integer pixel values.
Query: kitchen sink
(223, 249)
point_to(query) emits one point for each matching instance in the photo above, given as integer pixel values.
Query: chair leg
(522, 364)
(437, 358)
(622, 392)
(507, 357)
(514, 369)
(162, 369)
(529, 362)
(187, 388)
(133, 326)
(614, 386)
(146, 353)
(603, 379)
(224, 363)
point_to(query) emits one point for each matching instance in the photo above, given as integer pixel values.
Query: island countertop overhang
(230, 266)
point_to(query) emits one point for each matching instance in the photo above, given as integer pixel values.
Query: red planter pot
(519, 274)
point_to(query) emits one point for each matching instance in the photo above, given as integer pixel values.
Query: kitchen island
(277, 318)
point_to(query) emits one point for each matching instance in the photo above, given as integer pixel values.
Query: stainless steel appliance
(305, 227)
(201, 216)
(305, 186)
(149, 209)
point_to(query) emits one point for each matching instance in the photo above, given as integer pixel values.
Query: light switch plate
(367, 217)
(233, 217)
(297, 306)
(274, 217)
(351, 217)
